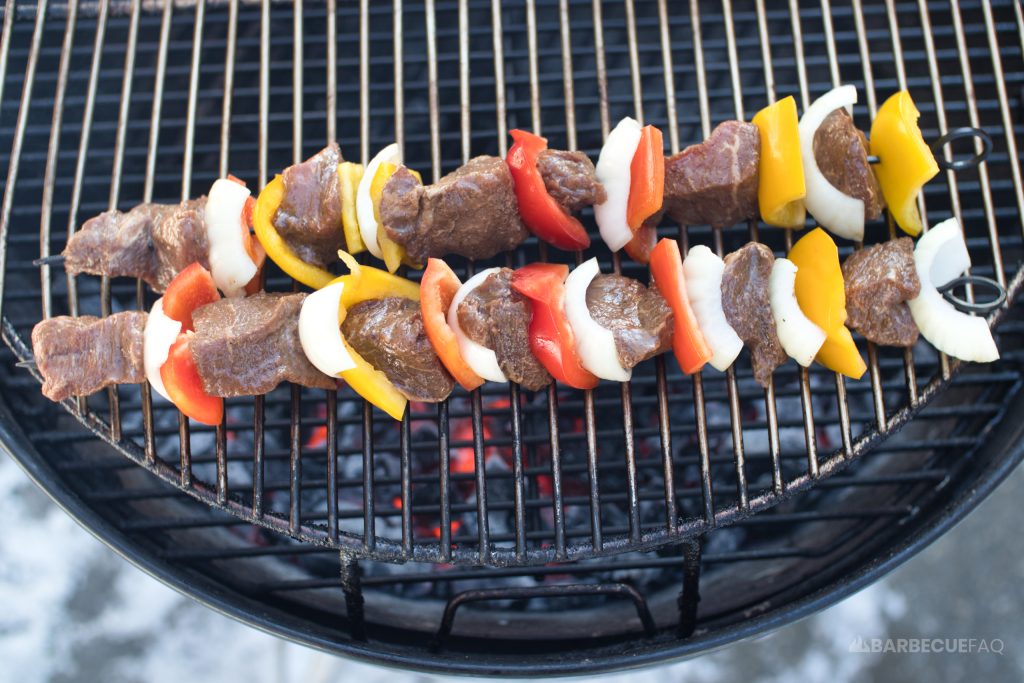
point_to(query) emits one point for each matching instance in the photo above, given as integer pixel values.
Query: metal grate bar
(332, 468)
(910, 369)
(404, 437)
(841, 398)
(698, 379)
(940, 113)
(1004, 105)
(10, 8)
(46, 210)
(369, 516)
(734, 403)
(625, 391)
(982, 169)
(771, 416)
(805, 389)
(568, 90)
(115, 192)
(11, 180)
(295, 416)
(331, 95)
(798, 58)
(869, 89)
(147, 192)
(406, 476)
(444, 484)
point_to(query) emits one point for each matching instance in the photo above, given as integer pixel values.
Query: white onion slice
(595, 344)
(230, 264)
(704, 271)
(840, 213)
(480, 359)
(800, 338)
(612, 171)
(941, 255)
(364, 205)
(157, 338)
(320, 333)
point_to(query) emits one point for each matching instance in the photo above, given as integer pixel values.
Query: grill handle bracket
(621, 590)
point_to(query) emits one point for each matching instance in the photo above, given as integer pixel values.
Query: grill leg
(351, 583)
(689, 595)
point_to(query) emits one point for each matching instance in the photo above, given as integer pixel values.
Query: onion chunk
(613, 172)
(840, 213)
(704, 271)
(230, 264)
(364, 204)
(480, 359)
(157, 338)
(320, 331)
(941, 255)
(800, 338)
(595, 344)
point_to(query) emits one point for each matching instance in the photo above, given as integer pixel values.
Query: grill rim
(1007, 442)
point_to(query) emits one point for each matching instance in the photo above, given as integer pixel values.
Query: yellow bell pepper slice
(821, 293)
(364, 283)
(393, 252)
(277, 249)
(373, 385)
(905, 163)
(349, 175)
(780, 185)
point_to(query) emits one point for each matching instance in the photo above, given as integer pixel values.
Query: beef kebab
(777, 166)
(393, 340)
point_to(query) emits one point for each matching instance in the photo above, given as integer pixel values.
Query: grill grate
(221, 60)
(119, 104)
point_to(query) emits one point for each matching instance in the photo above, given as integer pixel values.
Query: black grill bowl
(506, 532)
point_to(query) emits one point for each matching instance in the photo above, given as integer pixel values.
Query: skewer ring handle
(974, 281)
(960, 134)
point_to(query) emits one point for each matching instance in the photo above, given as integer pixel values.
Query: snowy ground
(71, 610)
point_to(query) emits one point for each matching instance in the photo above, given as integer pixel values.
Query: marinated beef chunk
(748, 309)
(879, 281)
(151, 241)
(309, 218)
(638, 317)
(246, 347)
(715, 183)
(841, 151)
(471, 212)
(78, 356)
(389, 334)
(498, 317)
(569, 179)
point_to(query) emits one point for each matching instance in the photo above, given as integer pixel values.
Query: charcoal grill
(503, 531)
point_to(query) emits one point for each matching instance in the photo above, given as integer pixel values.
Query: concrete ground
(74, 611)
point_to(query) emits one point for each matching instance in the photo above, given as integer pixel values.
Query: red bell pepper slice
(185, 387)
(646, 178)
(640, 247)
(252, 245)
(551, 339)
(437, 289)
(253, 248)
(190, 289)
(688, 343)
(544, 217)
